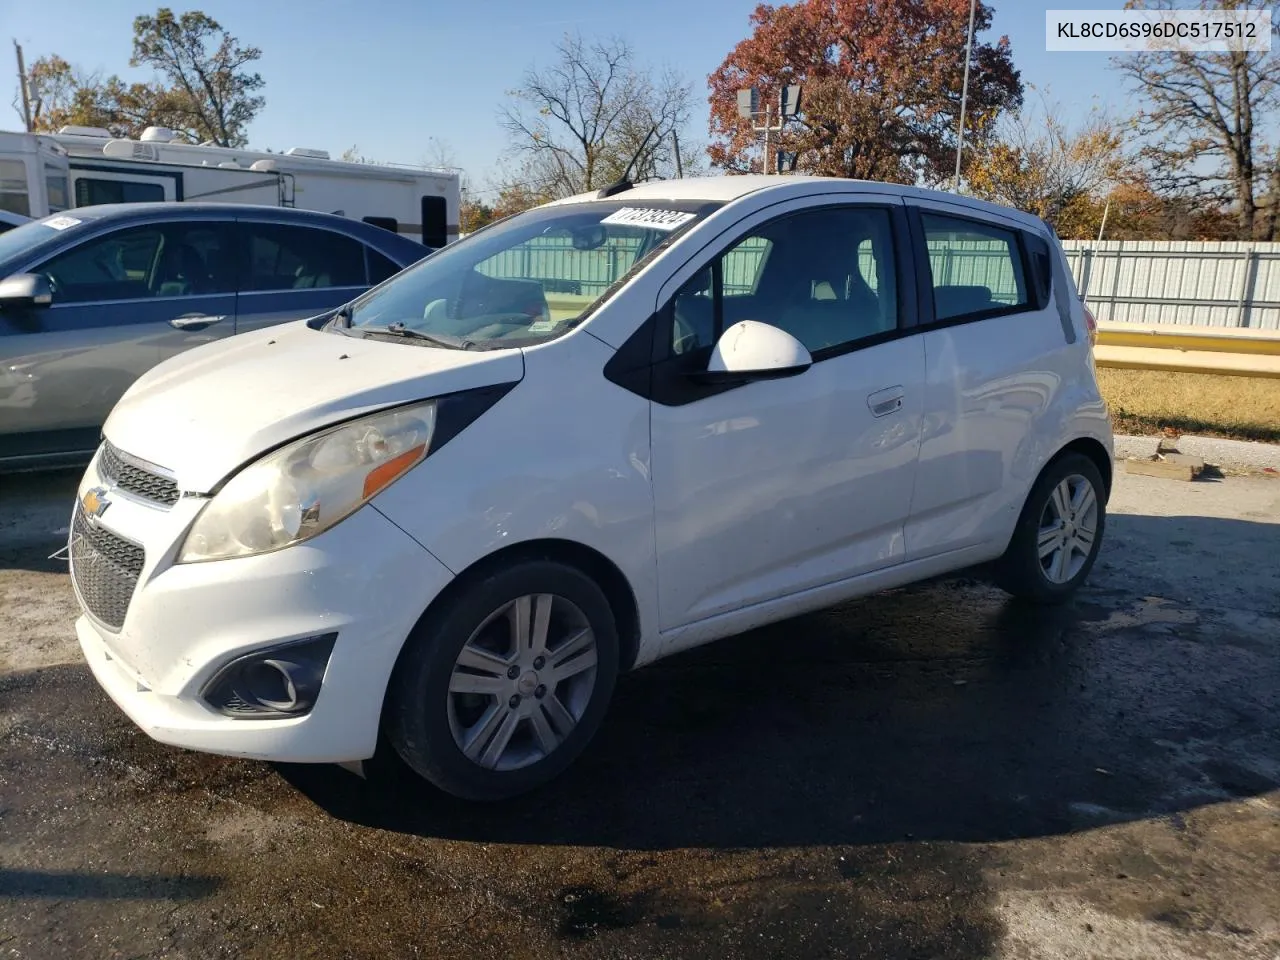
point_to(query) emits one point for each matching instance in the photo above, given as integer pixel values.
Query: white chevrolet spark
(586, 437)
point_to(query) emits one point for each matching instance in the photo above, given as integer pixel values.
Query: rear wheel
(504, 686)
(1058, 534)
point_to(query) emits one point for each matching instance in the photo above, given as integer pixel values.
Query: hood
(208, 410)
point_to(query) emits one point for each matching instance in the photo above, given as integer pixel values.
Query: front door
(776, 486)
(123, 301)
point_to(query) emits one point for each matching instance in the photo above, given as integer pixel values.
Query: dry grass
(1150, 401)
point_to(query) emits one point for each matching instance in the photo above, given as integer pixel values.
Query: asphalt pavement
(933, 772)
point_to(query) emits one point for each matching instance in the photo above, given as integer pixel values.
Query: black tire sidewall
(417, 715)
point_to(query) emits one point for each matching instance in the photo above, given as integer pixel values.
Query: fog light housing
(278, 681)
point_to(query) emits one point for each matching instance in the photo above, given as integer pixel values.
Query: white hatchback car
(581, 439)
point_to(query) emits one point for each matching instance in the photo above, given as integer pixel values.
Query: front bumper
(364, 579)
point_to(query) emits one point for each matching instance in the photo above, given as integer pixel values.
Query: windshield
(523, 280)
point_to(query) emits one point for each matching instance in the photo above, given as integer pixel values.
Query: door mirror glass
(751, 350)
(23, 290)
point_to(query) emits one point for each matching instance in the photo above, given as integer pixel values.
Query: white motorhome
(82, 166)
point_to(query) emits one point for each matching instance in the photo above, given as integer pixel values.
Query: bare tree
(1039, 163)
(1203, 120)
(592, 117)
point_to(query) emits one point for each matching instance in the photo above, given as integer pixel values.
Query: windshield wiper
(398, 329)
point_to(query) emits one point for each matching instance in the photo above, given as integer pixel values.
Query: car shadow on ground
(938, 712)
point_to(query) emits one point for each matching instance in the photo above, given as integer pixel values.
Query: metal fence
(1199, 283)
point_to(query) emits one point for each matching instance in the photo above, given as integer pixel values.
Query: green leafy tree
(208, 93)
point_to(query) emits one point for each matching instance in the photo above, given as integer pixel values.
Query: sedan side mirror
(751, 350)
(24, 290)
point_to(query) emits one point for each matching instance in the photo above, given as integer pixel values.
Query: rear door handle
(194, 321)
(887, 401)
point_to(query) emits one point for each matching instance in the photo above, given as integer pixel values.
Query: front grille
(135, 480)
(105, 568)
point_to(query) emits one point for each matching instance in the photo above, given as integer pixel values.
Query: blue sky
(390, 75)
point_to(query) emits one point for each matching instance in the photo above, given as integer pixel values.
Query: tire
(1022, 571)
(483, 717)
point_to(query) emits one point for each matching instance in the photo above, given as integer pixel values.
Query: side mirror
(24, 290)
(751, 350)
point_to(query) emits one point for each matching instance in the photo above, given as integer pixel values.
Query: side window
(825, 276)
(156, 260)
(13, 187)
(1041, 268)
(92, 191)
(55, 183)
(118, 266)
(380, 267)
(976, 268)
(298, 258)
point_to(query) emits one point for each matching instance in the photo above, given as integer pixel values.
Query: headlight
(309, 485)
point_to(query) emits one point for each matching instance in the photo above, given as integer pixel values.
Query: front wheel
(502, 688)
(1058, 534)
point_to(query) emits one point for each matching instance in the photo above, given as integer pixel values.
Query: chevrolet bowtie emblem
(95, 502)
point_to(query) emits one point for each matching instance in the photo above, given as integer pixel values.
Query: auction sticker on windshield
(654, 219)
(61, 223)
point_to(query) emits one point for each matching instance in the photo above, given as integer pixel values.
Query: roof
(183, 210)
(730, 187)
(99, 218)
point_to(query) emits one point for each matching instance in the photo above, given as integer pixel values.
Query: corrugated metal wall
(1201, 283)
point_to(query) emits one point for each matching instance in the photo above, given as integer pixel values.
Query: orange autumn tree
(882, 82)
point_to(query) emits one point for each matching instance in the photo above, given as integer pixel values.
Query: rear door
(996, 359)
(123, 301)
(291, 272)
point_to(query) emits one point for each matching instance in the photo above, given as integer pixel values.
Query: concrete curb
(1232, 454)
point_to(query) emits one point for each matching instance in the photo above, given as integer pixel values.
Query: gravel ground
(932, 772)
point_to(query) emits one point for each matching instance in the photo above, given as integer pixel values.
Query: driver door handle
(194, 321)
(887, 401)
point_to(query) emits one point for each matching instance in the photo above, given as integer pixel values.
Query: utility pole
(767, 129)
(675, 143)
(964, 93)
(23, 88)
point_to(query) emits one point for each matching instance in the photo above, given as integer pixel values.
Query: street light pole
(964, 93)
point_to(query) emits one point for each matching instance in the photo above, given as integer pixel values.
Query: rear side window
(380, 267)
(976, 268)
(301, 258)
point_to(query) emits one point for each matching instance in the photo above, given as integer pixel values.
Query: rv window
(386, 223)
(90, 191)
(435, 222)
(293, 258)
(13, 187)
(380, 267)
(55, 182)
